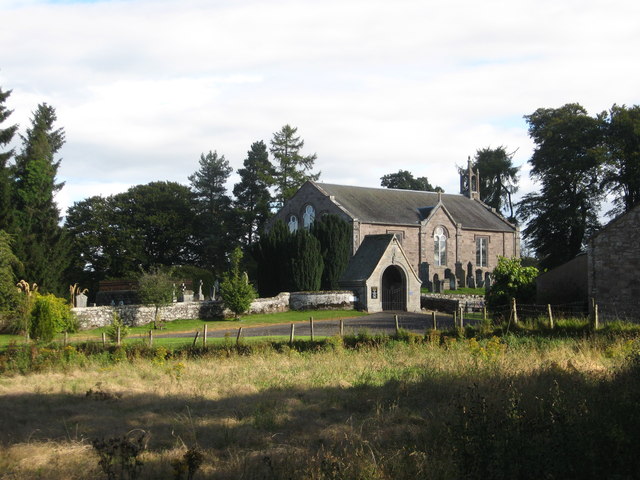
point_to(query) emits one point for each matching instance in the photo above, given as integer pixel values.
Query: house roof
(366, 259)
(410, 207)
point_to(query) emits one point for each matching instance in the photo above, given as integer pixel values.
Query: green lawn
(459, 291)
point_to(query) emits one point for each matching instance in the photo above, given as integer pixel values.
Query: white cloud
(143, 87)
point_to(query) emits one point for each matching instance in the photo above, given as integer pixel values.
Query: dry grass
(336, 413)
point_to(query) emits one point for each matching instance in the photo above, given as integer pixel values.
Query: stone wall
(614, 267)
(135, 315)
(451, 303)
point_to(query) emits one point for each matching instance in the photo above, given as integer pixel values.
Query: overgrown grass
(447, 405)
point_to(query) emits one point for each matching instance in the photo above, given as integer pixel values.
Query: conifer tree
(40, 244)
(6, 136)
(253, 199)
(272, 256)
(213, 204)
(306, 262)
(334, 235)
(292, 168)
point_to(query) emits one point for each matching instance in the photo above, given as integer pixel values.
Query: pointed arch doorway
(394, 289)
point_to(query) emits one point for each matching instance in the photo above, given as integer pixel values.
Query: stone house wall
(614, 267)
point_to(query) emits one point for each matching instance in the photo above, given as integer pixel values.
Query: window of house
(440, 246)
(482, 249)
(293, 223)
(309, 216)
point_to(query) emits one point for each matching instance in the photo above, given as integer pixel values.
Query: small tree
(155, 288)
(512, 280)
(236, 291)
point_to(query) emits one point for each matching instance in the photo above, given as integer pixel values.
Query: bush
(50, 315)
(512, 280)
(112, 330)
(236, 291)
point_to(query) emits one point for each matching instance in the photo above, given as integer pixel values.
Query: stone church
(439, 240)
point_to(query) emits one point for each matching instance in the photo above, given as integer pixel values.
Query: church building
(447, 240)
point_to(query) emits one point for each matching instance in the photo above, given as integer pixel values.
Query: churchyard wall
(135, 315)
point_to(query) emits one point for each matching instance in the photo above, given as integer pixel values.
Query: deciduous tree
(404, 180)
(566, 161)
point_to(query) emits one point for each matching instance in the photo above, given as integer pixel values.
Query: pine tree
(6, 136)
(216, 228)
(253, 199)
(9, 264)
(334, 235)
(40, 241)
(292, 168)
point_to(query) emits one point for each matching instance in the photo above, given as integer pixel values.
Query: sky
(143, 88)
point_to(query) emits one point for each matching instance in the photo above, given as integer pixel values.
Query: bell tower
(470, 181)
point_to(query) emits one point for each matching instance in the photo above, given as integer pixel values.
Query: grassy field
(443, 407)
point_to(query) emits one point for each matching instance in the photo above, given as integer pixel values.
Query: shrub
(512, 280)
(50, 315)
(236, 291)
(112, 330)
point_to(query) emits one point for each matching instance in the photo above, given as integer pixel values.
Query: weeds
(119, 455)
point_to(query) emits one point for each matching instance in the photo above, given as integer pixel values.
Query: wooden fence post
(514, 311)
(341, 327)
(484, 314)
(292, 334)
(66, 339)
(594, 314)
(461, 317)
(455, 318)
(118, 336)
(311, 328)
(395, 318)
(204, 336)
(550, 314)
(195, 339)
(104, 339)
(434, 321)
(239, 335)
(151, 337)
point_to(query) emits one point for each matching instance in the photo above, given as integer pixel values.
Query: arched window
(309, 216)
(440, 246)
(293, 223)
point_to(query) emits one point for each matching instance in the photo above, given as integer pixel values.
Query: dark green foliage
(334, 235)
(272, 259)
(117, 324)
(155, 288)
(50, 315)
(306, 262)
(9, 294)
(498, 178)
(236, 291)
(253, 199)
(512, 280)
(6, 136)
(147, 225)
(42, 246)
(215, 226)
(566, 161)
(404, 180)
(292, 168)
(622, 169)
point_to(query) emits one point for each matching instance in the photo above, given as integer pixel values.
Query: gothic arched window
(440, 246)
(309, 216)
(293, 223)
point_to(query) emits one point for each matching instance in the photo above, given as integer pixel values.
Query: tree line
(578, 159)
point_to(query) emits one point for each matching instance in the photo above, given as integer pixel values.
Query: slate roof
(366, 259)
(410, 207)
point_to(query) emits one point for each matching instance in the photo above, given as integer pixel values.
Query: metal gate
(394, 299)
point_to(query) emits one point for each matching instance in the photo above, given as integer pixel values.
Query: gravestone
(437, 286)
(81, 300)
(453, 282)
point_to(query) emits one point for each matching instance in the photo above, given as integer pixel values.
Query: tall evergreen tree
(334, 235)
(9, 264)
(40, 242)
(566, 161)
(622, 169)
(216, 228)
(272, 257)
(6, 136)
(498, 178)
(253, 199)
(306, 262)
(292, 168)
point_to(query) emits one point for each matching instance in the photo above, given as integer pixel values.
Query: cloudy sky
(143, 87)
